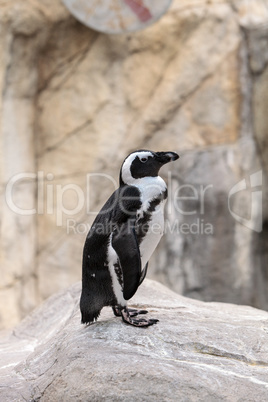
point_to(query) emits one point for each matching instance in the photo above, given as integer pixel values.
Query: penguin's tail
(90, 310)
(89, 318)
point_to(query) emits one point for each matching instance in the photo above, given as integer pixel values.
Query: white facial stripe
(126, 173)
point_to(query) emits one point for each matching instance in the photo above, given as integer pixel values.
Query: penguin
(123, 237)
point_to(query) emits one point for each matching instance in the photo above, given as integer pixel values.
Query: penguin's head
(144, 163)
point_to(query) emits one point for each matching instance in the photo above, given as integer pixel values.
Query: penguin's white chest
(151, 189)
(153, 235)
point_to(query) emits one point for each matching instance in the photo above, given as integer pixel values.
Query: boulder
(197, 351)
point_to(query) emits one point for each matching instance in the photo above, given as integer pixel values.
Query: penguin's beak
(165, 157)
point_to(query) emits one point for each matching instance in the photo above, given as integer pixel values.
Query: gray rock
(205, 251)
(197, 352)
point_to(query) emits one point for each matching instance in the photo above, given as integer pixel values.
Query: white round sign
(117, 16)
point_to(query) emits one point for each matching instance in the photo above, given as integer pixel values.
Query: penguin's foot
(127, 318)
(117, 311)
(132, 312)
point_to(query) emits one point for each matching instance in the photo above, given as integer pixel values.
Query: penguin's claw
(133, 312)
(127, 318)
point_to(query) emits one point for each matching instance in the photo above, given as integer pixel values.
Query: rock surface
(75, 102)
(197, 351)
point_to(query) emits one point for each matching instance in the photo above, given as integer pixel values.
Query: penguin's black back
(97, 290)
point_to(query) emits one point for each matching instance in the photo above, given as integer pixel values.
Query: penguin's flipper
(125, 243)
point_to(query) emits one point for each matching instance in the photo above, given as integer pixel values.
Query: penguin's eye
(144, 159)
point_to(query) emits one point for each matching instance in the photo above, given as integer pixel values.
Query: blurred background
(76, 101)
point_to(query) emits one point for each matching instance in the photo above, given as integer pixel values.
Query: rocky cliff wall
(75, 102)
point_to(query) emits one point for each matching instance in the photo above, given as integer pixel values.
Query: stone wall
(75, 102)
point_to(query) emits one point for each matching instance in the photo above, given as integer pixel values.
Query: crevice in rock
(65, 138)
(212, 351)
(247, 85)
(156, 126)
(58, 70)
(71, 134)
(77, 60)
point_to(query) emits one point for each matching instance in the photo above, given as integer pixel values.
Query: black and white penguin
(123, 237)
